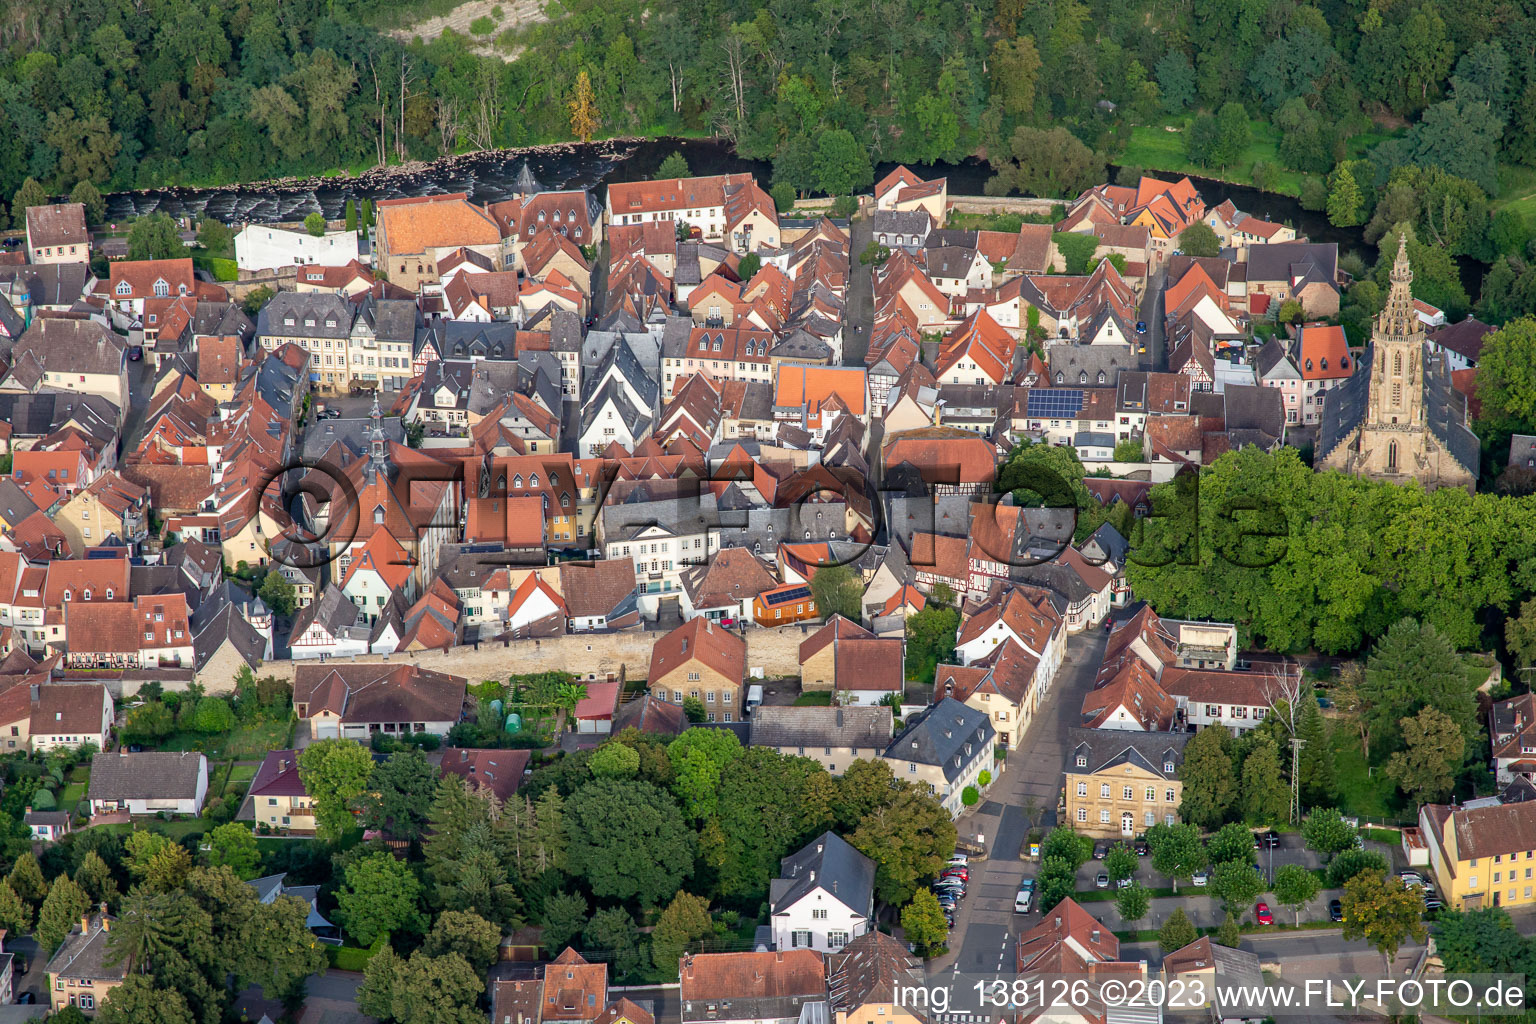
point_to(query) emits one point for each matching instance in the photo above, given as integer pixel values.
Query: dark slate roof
(564, 331)
(848, 727)
(1072, 361)
(152, 774)
(801, 346)
(1343, 409)
(1279, 261)
(636, 420)
(1109, 541)
(352, 433)
(1445, 413)
(901, 222)
(1103, 748)
(826, 862)
(331, 608)
(11, 324)
(1464, 338)
(218, 620)
(455, 340)
(622, 358)
(939, 735)
(1270, 356)
(1254, 407)
(392, 320)
(300, 306)
(41, 414)
(50, 284)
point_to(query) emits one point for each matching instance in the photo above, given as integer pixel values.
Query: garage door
(328, 730)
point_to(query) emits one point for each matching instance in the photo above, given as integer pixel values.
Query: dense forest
(161, 91)
(1381, 113)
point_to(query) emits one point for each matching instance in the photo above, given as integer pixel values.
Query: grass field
(814, 699)
(1361, 793)
(1153, 147)
(245, 743)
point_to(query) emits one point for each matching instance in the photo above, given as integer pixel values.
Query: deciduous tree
(378, 896)
(1383, 912)
(1295, 887)
(838, 592)
(924, 923)
(1433, 749)
(335, 774)
(627, 839)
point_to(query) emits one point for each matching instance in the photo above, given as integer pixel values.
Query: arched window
(1397, 362)
(1392, 457)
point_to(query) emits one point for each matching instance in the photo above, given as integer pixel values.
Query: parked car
(1335, 911)
(1411, 877)
(1262, 915)
(1124, 883)
(959, 860)
(1023, 901)
(135, 353)
(1141, 327)
(1102, 881)
(956, 871)
(1142, 849)
(1028, 883)
(1271, 839)
(1201, 877)
(1100, 848)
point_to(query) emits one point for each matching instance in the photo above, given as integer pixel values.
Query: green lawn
(1517, 191)
(71, 795)
(245, 743)
(242, 773)
(1360, 792)
(1155, 148)
(815, 699)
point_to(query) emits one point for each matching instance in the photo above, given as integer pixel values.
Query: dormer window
(517, 480)
(162, 289)
(378, 513)
(109, 593)
(68, 595)
(1082, 377)
(1167, 767)
(1101, 376)
(124, 288)
(87, 593)
(533, 480)
(1082, 762)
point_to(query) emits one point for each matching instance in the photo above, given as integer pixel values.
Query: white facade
(155, 804)
(995, 635)
(660, 557)
(819, 921)
(264, 247)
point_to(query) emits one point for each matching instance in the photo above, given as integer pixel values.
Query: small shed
(595, 711)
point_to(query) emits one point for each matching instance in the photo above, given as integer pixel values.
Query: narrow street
(1023, 798)
(1151, 313)
(859, 311)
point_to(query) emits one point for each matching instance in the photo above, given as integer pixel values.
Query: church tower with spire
(1401, 420)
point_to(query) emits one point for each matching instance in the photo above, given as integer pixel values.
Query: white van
(754, 698)
(1023, 901)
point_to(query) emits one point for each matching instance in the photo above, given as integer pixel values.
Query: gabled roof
(419, 223)
(700, 640)
(827, 863)
(150, 775)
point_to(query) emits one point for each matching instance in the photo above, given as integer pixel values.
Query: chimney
(106, 922)
(85, 923)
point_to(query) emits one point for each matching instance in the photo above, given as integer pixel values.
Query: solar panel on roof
(1055, 402)
(798, 594)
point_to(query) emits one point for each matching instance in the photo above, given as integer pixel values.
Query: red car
(964, 874)
(1262, 915)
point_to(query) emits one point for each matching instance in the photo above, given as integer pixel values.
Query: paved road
(141, 383)
(1152, 313)
(331, 998)
(1025, 797)
(859, 310)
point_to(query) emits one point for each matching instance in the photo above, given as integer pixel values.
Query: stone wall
(770, 653)
(1003, 204)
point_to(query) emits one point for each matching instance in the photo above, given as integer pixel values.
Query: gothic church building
(1399, 420)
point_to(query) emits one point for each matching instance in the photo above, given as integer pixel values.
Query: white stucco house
(148, 782)
(825, 897)
(265, 247)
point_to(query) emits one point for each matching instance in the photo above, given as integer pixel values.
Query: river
(493, 176)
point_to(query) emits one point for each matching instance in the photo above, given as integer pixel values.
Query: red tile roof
(700, 640)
